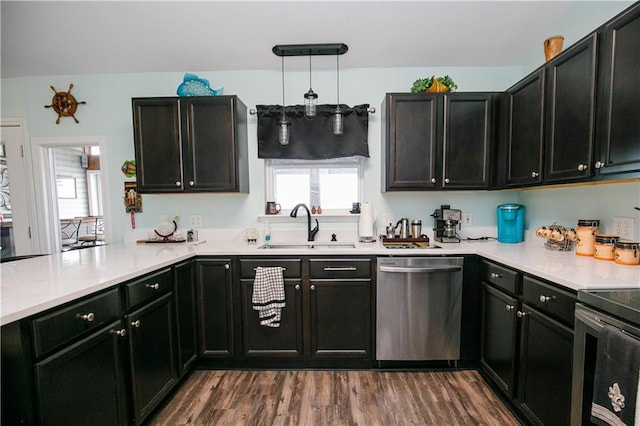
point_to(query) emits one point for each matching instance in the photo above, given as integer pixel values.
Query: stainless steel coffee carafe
(403, 224)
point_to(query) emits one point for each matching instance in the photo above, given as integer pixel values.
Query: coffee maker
(446, 223)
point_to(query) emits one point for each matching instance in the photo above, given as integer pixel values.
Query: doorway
(70, 185)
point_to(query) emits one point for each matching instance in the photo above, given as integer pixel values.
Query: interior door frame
(27, 175)
(45, 184)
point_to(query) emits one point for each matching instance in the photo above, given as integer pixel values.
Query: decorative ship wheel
(64, 104)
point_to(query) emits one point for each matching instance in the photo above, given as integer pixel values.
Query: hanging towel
(268, 295)
(615, 388)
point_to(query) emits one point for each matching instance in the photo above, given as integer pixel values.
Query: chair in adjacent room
(69, 233)
(91, 230)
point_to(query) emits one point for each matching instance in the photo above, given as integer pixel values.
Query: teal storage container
(510, 223)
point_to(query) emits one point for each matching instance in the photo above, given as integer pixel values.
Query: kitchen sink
(309, 245)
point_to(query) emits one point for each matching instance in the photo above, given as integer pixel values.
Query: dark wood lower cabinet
(284, 341)
(546, 354)
(83, 383)
(186, 314)
(151, 354)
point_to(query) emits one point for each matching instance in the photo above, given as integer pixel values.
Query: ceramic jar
(586, 236)
(604, 246)
(627, 252)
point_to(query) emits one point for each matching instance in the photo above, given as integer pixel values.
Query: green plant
(422, 84)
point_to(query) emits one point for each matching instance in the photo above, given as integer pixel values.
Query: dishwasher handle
(420, 269)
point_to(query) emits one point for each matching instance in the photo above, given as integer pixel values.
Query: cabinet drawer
(148, 288)
(340, 268)
(291, 267)
(548, 299)
(63, 325)
(500, 276)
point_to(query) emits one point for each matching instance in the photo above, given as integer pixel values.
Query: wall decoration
(64, 104)
(129, 168)
(132, 201)
(192, 85)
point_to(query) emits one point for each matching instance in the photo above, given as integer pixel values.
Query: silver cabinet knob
(446, 180)
(313, 287)
(297, 287)
(496, 275)
(582, 167)
(433, 180)
(226, 266)
(87, 317)
(178, 183)
(155, 286)
(120, 333)
(535, 174)
(509, 307)
(545, 299)
(191, 183)
(599, 164)
(521, 314)
(135, 324)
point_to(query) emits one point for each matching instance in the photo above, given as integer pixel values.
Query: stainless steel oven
(597, 308)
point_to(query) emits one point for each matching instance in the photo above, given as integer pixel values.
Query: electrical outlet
(195, 221)
(623, 227)
(467, 220)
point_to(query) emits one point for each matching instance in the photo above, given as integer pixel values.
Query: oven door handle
(589, 319)
(419, 269)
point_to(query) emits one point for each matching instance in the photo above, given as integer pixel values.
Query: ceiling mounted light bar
(310, 49)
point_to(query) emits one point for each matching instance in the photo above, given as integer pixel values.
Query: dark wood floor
(334, 398)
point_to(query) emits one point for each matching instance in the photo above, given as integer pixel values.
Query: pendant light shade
(337, 115)
(283, 131)
(310, 98)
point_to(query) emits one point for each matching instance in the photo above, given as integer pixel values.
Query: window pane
(338, 188)
(291, 187)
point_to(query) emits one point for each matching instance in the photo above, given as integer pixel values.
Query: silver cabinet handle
(535, 174)
(582, 167)
(177, 183)
(155, 286)
(191, 183)
(340, 268)
(446, 180)
(313, 287)
(410, 269)
(135, 324)
(433, 180)
(87, 317)
(521, 314)
(545, 299)
(283, 268)
(226, 266)
(509, 307)
(120, 333)
(496, 275)
(297, 286)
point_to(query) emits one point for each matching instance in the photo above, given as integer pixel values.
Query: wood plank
(367, 397)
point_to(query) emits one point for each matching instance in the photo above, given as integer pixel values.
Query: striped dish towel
(268, 295)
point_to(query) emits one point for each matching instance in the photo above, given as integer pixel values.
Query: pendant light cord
(338, 81)
(309, 72)
(283, 116)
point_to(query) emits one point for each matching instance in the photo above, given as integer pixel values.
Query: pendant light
(310, 98)
(337, 114)
(283, 133)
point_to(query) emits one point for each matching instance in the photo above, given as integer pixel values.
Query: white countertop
(34, 285)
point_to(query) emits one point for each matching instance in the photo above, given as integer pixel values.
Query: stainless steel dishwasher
(419, 307)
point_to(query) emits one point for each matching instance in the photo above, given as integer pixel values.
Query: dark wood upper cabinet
(570, 112)
(436, 141)
(193, 144)
(525, 131)
(618, 126)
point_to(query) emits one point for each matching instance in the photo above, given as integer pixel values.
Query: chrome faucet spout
(311, 233)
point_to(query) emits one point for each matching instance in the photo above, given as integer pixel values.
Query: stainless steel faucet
(311, 233)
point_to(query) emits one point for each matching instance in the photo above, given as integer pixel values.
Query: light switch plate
(623, 227)
(467, 220)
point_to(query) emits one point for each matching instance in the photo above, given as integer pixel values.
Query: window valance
(313, 139)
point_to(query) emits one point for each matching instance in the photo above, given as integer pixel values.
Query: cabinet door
(86, 376)
(467, 141)
(410, 133)
(340, 318)
(570, 112)
(618, 132)
(186, 314)
(210, 152)
(498, 344)
(544, 392)
(157, 142)
(284, 341)
(152, 354)
(525, 133)
(215, 308)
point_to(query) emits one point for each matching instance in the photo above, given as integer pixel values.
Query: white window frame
(345, 162)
